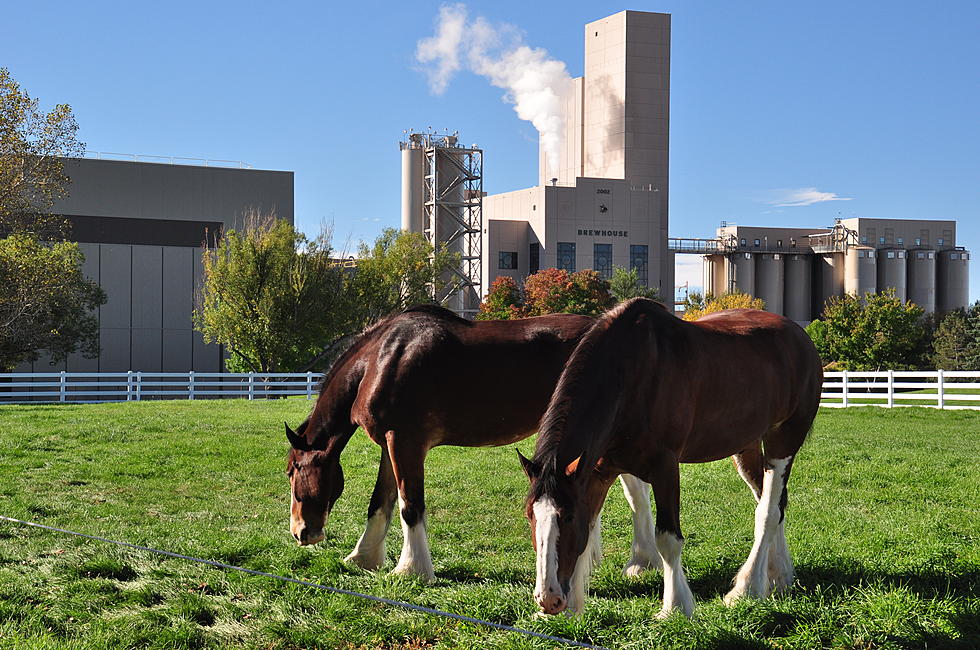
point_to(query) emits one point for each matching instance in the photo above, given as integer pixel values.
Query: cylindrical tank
(860, 275)
(797, 289)
(829, 272)
(413, 179)
(743, 272)
(714, 275)
(921, 268)
(769, 280)
(953, 287)
(891, 271)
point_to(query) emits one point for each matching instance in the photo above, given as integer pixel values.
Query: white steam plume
(535, 83)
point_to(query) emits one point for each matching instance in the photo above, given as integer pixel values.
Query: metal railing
(941, 389)
(170, 160)
(137, 386)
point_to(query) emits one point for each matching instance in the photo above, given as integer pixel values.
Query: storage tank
(829, 273)
(860, 270)
(953, 286)
(797, 289)
(891, 271)
(921, 267)
(769, 281)
(714, 275)
(742, 272)
(413, 180)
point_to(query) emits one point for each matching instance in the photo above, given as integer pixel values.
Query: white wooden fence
(136, 386)
(892, 388)
(943, 389)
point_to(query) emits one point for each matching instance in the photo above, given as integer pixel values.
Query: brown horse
(420, 379)
(644, 391)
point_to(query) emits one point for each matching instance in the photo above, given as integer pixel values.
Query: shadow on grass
(464, 574)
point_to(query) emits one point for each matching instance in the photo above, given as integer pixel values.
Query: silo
(953, 286)
(741, 270)
(413, 182)
(921, 267)
(891, 271)
(769, 280)
(714, 275)
(829, 274)
(797, 287)
(860, 274)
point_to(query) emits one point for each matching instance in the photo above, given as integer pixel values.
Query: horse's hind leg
(369, 553)
(749, 464)
(644, 554)
(407, 464)
(754, 579)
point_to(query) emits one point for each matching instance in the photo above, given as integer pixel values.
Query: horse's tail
(592, 387)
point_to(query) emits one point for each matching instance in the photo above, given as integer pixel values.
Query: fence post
(251, 385)
(942, 396)
(891, 388)
(843, 380)
(139, 385)
(190, 385)
(309, 384)
(61, 387)
(129, 385)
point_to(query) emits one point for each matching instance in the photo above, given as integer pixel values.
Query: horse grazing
(644, 391)
(423, 378)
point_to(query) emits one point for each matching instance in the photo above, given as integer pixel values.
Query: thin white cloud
(800, 197)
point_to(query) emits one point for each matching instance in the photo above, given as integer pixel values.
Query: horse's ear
(295, 440)
(530, 468)
(572, 467)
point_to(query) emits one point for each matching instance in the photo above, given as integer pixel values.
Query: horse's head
(560, 516)
(316, 481)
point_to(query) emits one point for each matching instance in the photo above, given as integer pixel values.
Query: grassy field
(883, 521)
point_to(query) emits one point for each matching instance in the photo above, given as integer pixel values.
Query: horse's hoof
(364, 561)
(415, 572)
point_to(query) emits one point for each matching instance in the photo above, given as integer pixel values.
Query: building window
(743, 241)
(901, 255)
(603, 260)
(756, 242)
(534, 258)
(920, 256)
(640, 260)
(864, 239)
(918, 241)
(871, 253)
(891, 255)
(881, 240)
(779, 243)
(954, 256)
(860, 253)
(929, 255)
(566, 256)
(940, 241)
(792, 242)
(507, 260)
(900, 241)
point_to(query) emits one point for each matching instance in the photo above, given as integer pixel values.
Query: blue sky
(875, 102)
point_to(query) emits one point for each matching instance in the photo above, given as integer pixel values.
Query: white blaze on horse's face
(547, 590)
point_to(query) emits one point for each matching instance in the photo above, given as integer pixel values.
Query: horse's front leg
(579, 583)
(369, 553)
(665, 477)
(644, 554)
(407, 464)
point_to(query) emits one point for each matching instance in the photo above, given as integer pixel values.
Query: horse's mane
(593, 373)
(367, 333)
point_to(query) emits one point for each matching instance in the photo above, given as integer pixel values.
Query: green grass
(883, 522)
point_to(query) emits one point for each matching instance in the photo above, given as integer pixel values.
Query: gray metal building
(141, 226)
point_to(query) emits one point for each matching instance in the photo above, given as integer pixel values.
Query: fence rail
(138, 386)
(942, 389)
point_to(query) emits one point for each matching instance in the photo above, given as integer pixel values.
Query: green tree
(503, 301)
(32, 145)
(951, 342)
(626, 284)
(877, 333)
(45, 302)
(399, 270)
(696, 306)
(552, 291)
(273, 297)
